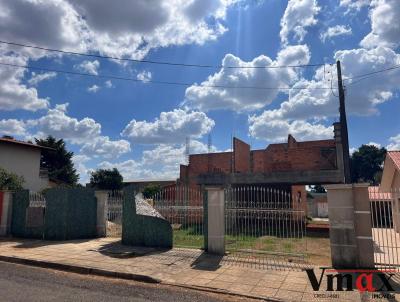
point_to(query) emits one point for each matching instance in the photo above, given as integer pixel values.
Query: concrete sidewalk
(183, 267)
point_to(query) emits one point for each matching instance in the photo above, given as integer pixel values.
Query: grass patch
(316, 250)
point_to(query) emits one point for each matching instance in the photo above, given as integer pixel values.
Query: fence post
(101, 225)
(350, 226)
(6, 213)
(215, 220)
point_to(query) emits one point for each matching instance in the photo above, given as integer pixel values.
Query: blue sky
(141, 128)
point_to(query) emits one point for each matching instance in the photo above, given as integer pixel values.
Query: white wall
(24, 161)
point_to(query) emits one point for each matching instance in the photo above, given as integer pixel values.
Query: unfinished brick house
(289, 166)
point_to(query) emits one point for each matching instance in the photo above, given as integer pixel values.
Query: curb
(81, 269)
(125, 276)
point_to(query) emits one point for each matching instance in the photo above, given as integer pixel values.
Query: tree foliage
(10, 181)
(151, 190)
(104, 179)
(58, 161)
(367, 164)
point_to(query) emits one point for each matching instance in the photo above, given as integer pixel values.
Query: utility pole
(343, 125)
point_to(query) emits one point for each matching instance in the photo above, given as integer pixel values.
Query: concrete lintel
(346, 186)
(213, 188)
(286, 177)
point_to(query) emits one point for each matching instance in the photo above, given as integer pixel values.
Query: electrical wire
(155, 62)
(373, 73)
(112, 77)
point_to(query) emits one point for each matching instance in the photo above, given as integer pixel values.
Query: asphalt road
(25, 283)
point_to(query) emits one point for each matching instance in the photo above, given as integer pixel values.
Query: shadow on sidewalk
(118, 250)
(207, 262)
(35, 243)
(197, 259)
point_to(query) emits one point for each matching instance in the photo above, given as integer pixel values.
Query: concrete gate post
(215, 220)
(350, 226)
(6, 213)
(101, 225)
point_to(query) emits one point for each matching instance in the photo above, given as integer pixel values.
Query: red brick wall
(303, 156)
(292, 156)
(242, 156)
(219, 162)
(258, 161)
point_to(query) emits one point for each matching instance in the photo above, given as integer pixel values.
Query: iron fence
(264, 223)
(114, 214)
(36, 200)
(182, 206)
(385, 220)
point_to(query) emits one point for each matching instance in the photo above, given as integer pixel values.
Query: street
(24, 283)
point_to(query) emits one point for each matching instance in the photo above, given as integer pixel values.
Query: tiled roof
(14, 141)
(395, 157)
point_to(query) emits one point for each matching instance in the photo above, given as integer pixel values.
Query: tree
(10, 181)
(367, 164)
(58, 161)
(104, 179)
(150, 191)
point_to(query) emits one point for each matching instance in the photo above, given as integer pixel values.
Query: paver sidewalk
(178, 266)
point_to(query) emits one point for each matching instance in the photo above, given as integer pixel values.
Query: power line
(155, 62)
(373, 73)
(112, 77)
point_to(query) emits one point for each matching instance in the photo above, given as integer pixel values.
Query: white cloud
(309, 108)
(109, 84)
(104, 147)
(173, 155)
(90, 67)
(394, 143)
(299, 15)
(125, 28)
(354, 4)
(261, 127)
(208, 98)
(36, 78)
(94, 88)
(171, 127)
(161, 162)
(335, 31)
(85, 132)
(362, 98)
(385, 16)
(57, 123)
(12, 127)
(144, 76)
(80, 166)
(374, 144)
(13, 94)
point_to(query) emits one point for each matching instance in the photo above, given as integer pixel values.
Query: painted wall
(23, 161)
(70, 214)
(141, 230)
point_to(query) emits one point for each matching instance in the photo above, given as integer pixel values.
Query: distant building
(391, 172)
(309, 162)
(23, 159)
(139, 185)
(286, 166)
